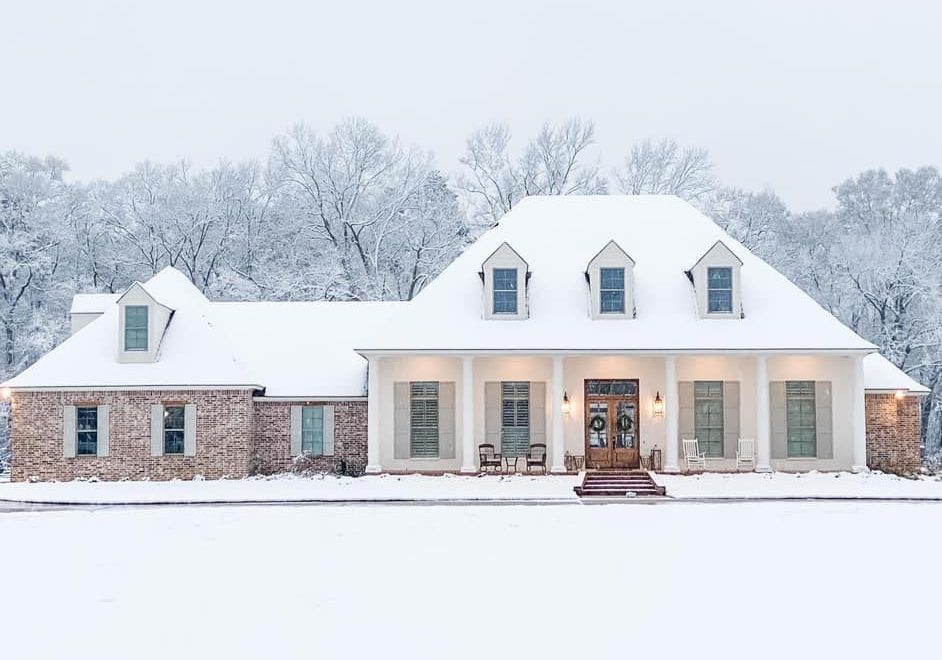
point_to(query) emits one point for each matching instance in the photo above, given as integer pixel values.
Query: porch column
(763, 420)
(859, 419)
(558, 464)
(467, 415)
(372, 417)
(672, 414)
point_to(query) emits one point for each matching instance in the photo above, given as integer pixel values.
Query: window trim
(79, 431)
(145, 328)
(709, 447)
(603, 290)
(515, 291)
(182, 429)
(711, 289)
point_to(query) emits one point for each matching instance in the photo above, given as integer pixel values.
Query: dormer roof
(612, 244)
(721, 247)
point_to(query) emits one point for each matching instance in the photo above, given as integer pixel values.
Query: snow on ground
(770, 580)
(290, 488)
(808, 484)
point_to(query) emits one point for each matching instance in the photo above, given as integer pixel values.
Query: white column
(763, 420)
(859, 419)
(672, 415)
(372, 417)
(558, 464)
(468, 465)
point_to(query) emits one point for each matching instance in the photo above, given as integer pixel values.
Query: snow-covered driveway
(694, 580)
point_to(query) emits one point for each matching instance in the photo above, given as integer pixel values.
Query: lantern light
(658, 405)
(566, 406)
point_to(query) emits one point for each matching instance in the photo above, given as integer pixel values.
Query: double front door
(611, 424)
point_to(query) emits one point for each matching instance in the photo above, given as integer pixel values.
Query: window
(720, 290)
(86, 425)
(312, 430)
(505, 290)
(423, 429)
(800, 419)
(174, 418)
(135, 328)
(612, 290)
(708, 416)
(515, 418)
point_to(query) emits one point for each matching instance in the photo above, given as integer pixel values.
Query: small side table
(507, 460)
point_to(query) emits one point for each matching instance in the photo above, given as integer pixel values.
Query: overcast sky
(793, 95)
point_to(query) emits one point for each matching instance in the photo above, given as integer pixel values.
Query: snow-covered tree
(666, 168)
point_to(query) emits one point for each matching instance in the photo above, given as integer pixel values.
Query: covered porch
(612, 409)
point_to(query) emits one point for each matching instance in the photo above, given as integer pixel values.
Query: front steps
(618, 484)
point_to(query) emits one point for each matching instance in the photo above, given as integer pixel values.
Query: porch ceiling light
(658, 405)
(566, 406)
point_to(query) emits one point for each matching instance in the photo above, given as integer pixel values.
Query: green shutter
(401, 420)
(823, 420)
(492, 414)
(446, 420)
(685, 404)
(730, 418)
(779, 430)
(538, 413)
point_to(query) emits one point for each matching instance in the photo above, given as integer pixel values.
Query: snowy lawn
(290, 488)
(810, 484)
(747, 580)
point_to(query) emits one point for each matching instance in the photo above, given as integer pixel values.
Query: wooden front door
(611, 424)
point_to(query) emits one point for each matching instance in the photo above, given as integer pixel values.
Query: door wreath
(624, 423)
(597, 424)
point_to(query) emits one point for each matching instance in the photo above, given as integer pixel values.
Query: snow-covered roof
(558, 236)
(311, 349)
(92, 303)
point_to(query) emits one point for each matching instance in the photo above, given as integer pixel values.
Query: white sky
(795, 95)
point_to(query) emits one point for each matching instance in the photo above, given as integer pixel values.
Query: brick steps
(618, 484)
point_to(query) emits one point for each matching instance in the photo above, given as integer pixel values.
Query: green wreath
(624, 423)
(597, 424)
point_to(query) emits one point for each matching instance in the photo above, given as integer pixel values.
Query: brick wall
(224, 443)
(893, 433)
(273, 438)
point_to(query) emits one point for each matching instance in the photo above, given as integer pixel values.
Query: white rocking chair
(693, 456)
(746, 453)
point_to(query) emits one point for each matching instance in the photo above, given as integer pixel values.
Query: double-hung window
(423, 418)
(708, 416)
(505, 290)
(720, 290)
(86, 426)
(135, 328)
(174, 429)
(612, 290)
(312, 430)
(515, 418)
(801, 418)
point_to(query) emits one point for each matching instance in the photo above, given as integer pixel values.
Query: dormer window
(505, 275)
(720, 290)
(135, 328)
(716, 279)
(612, 290)
(505, 290)
(610, 274)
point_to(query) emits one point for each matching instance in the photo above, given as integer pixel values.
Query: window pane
(720, 278)
(708, 416)
(505, 290)
(135, 328)
(86, 424)
(613, 278)
(505, 279)
(612, 302)
(312, 430)
(423, 432)
(721, 301)
(612, 290)
(174, 417)
(720, 289)
(505, 302)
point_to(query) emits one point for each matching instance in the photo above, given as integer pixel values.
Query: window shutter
(685, 408)
(823, 419)
(402, 400)
(779, 426)
(68, 431)
(492, 414)
(157, 430)
(295, 432)
(328, 431)
(538, 413)
(730, 418)
(104, 427)
(446, 420)
(189, 430)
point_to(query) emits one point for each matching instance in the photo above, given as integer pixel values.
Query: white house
(603, 327)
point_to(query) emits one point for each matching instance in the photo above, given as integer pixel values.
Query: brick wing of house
(605, 332)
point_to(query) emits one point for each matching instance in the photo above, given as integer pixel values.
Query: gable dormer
(505, 275)
(717, 282)
(141, 324)
(610, 275)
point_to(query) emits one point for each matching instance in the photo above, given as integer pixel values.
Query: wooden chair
(536, 457)
(488, 457)
(746, 453)
(693, 455)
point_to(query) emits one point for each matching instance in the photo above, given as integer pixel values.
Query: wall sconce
(5, 393)
(658, 406)
(566, 406)
(900, 394)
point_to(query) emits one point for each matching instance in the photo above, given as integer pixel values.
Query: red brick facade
(273, 439)
(893, 433)
(235, 437)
